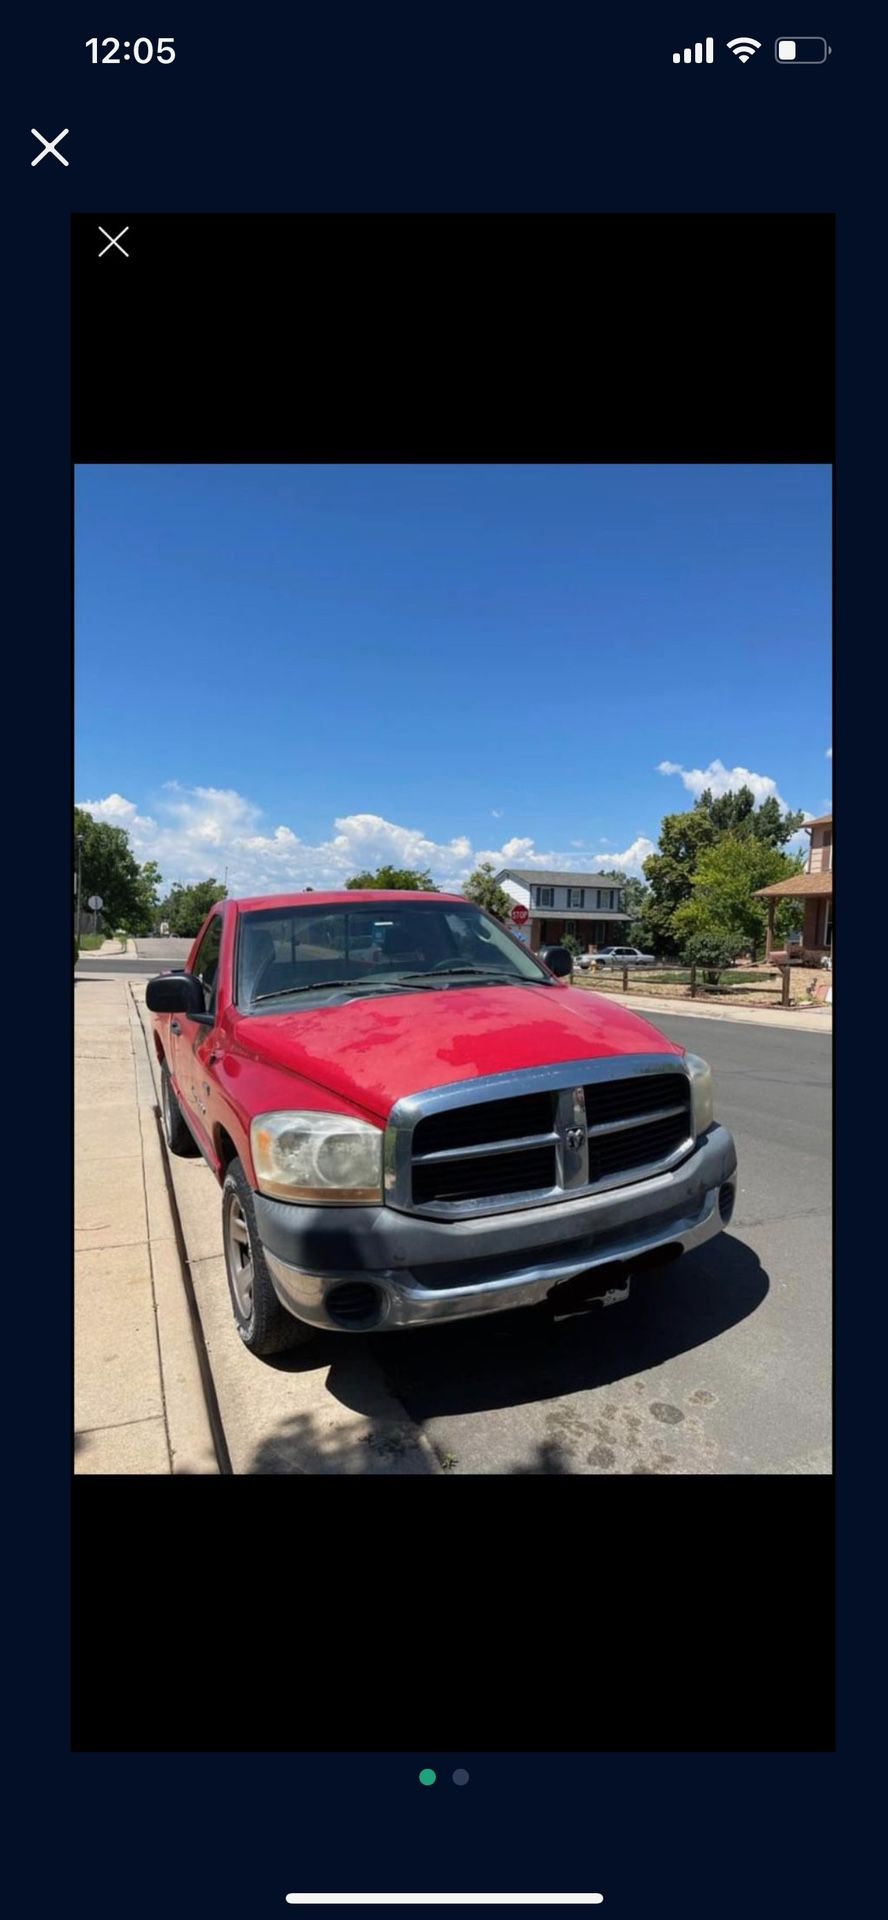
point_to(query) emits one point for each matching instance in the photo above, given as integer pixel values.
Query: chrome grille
(491, 1120)
(610, 1100)
(532, 1170)
(542, 1135)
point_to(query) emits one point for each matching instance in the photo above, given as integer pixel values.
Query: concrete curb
(191, 1441)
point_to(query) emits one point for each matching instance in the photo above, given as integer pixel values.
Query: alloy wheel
(239, 1256)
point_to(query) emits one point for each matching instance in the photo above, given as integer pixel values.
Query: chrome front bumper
(416, 1271)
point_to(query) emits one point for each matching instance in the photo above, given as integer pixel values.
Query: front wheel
(179, 1137)
(265, 1327)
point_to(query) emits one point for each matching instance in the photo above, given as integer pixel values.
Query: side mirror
(175, 993)
(557, 959)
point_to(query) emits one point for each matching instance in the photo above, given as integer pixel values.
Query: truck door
(191, 1040)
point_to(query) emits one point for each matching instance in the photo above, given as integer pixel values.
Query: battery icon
(803, 50)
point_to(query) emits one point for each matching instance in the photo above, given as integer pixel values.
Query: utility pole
(79, 860)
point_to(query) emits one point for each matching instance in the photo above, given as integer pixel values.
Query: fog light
(354, 1305)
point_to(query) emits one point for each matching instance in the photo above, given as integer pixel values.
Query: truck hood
(373, 1052)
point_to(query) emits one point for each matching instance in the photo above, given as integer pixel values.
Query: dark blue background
(492, 106)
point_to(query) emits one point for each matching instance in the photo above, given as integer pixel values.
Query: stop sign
(519, 915)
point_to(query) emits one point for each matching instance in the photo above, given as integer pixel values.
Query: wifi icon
(744, 47)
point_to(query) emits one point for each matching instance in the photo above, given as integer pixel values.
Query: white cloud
(524, 853)
(497, 813)
(721, 779)
(114, 811)
(829, 753)
(200, 831)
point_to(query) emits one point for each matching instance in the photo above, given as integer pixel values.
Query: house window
(606, 898)
(570, 926)
(575, 897)
(544, 896)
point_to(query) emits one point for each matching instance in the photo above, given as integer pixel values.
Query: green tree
(685, 837)
(669, 873)
(186, 908)
(635, 897)
(722, 901)
(736, 813)
(482, 888)
(109, 868)
(149, 896)
(395, 879)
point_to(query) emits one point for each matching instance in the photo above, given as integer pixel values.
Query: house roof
(799, 887)
(601, 916)
(823, 820)
(548, 877)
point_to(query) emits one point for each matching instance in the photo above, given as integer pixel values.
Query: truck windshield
(286, 950)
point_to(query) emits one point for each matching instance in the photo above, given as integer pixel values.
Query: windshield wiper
(320, 986)
(497, 974)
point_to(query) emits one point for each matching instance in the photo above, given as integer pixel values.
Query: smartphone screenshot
(442, 426)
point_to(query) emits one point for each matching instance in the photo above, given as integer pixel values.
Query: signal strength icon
(684, 59)
(743, 47)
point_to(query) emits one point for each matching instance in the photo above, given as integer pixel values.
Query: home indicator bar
(444, 1899)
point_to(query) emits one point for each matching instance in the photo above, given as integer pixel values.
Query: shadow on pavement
(302, 1444)
(525, 1357)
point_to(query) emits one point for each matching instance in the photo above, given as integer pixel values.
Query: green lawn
(90, 941)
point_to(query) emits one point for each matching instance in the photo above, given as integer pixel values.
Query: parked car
(412, 1118)
(622, 957)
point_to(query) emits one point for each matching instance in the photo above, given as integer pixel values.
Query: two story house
(815, 888)
(588, 906)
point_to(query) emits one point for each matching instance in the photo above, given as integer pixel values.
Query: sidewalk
(138, 1402)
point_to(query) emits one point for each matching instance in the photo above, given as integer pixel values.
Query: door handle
(175, 1027)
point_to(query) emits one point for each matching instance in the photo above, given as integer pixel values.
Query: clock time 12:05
(111, 53)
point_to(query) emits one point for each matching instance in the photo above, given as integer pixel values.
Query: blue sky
(297, 671)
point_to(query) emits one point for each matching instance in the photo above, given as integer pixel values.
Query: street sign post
(95, 904)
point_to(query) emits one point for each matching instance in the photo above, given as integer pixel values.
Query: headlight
(702, 1106)
(324, 1158)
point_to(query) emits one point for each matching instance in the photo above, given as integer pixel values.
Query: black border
(488, 337)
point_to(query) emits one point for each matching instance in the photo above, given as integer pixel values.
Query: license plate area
(604, 1286)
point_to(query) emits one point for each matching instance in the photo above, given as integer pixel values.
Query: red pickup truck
(412, 1117)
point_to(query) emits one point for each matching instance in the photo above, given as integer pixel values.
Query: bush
(572, 944)
(712, 953)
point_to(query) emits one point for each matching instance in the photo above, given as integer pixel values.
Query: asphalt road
(128, 964)
(721, 1364)
(151, 956)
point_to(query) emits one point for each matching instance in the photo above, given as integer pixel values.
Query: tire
(177, 1133)
(265, 1327)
